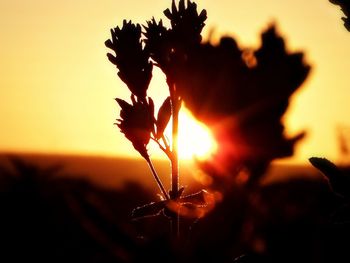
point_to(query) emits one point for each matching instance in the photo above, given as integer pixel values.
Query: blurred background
(57, 87)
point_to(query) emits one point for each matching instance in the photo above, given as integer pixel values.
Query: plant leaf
(328, 168)
(339, 182)
(196, 198)
(163, 117)
(151, 209)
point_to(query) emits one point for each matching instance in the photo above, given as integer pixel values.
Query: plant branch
(165, 149)
(174, 194)
(175, 108)
(156, 177)
(166, 143)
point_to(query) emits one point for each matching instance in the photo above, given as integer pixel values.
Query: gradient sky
(57, 87)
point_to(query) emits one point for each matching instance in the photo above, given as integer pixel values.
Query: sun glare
(195, 139)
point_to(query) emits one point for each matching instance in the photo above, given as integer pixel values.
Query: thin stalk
(156, 177)
(174, 147)
(165, 141)
(165, 149)
(175, 159)
(175, 108)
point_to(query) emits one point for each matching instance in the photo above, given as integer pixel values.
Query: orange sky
(57, 87)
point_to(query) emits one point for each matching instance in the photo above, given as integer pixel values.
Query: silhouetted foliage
(345, 7)
(244, 94)
(169, 48)
(131, 58)
(163, 118)
(137, 122)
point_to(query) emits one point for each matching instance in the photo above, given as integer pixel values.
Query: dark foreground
(51, 218)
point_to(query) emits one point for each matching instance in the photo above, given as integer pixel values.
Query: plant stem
(175, 160)
(165, 149)
(175, 108)
(156, 177)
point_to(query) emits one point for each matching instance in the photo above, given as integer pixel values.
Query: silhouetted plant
(241, 93)
(169, 49)
(345, 7)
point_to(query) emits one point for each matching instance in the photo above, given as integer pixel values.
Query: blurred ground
(52, 212)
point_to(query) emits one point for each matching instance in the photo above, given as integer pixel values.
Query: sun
(195, 139)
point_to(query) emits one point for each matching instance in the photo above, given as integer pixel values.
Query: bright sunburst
(195, 139)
